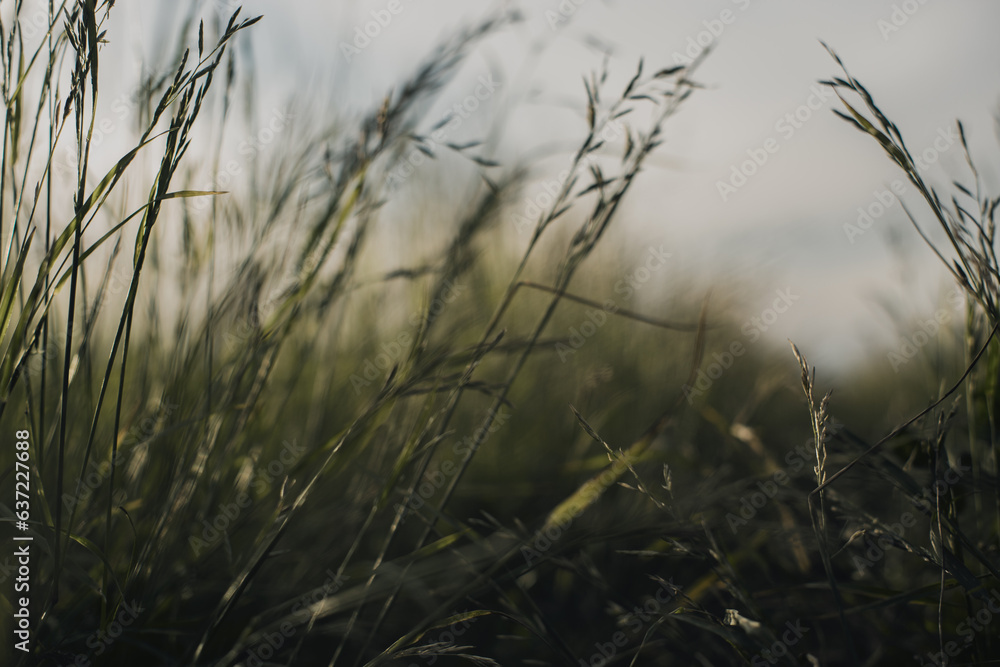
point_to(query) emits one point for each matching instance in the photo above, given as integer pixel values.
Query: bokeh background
(927, 62)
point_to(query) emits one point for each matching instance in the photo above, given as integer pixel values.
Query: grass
(258, 437)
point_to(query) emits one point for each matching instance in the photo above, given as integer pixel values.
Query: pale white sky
(938, 62)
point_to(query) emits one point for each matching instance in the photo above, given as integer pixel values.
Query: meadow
(342, 405)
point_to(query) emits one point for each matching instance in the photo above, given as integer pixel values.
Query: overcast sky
(927, 63)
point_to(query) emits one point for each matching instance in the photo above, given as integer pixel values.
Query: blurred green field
(336, 417)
